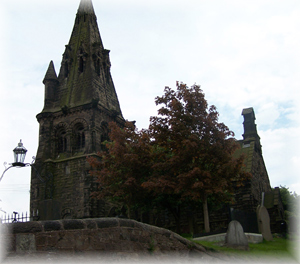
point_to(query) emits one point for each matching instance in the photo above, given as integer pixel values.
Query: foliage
(194, 152)
(289, 199)
(121, 169)
(193, 146)
(184, 157)
(291, 203)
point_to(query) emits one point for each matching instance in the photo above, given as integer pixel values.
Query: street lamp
(19, 156)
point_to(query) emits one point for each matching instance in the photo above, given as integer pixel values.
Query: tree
(194, 152)
(184, 157)
(125, 165)
(290, 201)
(121, 169)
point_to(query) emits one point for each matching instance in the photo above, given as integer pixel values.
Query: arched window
(61, 140)
(78, 137)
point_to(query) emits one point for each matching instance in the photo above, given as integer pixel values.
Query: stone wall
(99, 236)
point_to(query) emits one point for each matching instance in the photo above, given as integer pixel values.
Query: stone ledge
(252, 238)
(73, 224)
(138, 228)
(26, 227)
(52, 225)
(107, 222)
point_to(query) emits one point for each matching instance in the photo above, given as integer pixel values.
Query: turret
(51, 82)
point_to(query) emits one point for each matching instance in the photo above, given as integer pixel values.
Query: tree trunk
(128, 212)
(205, 214)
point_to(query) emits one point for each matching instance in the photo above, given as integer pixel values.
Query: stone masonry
(97, 237)
(79, 104)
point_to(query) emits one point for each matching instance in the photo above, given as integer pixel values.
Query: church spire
(86, 6)
(84, 75)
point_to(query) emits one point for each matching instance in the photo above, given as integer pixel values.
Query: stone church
(79, 103)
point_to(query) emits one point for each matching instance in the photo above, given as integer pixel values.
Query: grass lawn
(279, 248)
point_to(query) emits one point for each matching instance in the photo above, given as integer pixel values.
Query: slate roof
(248, 150)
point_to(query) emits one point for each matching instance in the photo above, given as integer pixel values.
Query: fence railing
(16, 217)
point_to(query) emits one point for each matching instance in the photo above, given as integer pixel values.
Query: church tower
(79, 104)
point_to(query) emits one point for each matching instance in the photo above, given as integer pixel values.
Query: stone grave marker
(235, 236)
(263, 219)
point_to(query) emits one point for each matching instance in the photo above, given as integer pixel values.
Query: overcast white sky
(242, 53)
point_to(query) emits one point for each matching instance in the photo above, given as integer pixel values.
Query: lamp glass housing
(19, 153)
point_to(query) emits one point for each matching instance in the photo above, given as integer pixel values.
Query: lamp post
(19, 158)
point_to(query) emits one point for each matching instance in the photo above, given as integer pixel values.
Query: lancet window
(61, 140)
(78, 137)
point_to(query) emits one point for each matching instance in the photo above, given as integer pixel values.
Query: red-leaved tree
(194, 156)
(123, 167)
(185, 156)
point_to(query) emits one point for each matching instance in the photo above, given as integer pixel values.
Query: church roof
(246, 149)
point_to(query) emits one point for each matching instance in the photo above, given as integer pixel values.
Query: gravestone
(235, 236)
(263, 219)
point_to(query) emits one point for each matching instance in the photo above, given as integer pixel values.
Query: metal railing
(16, 217)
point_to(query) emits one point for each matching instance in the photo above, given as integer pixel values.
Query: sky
(242, 53)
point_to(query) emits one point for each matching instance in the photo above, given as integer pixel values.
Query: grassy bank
(279, 248)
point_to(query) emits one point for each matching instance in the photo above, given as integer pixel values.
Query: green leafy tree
(290, 200)
(291, 205)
